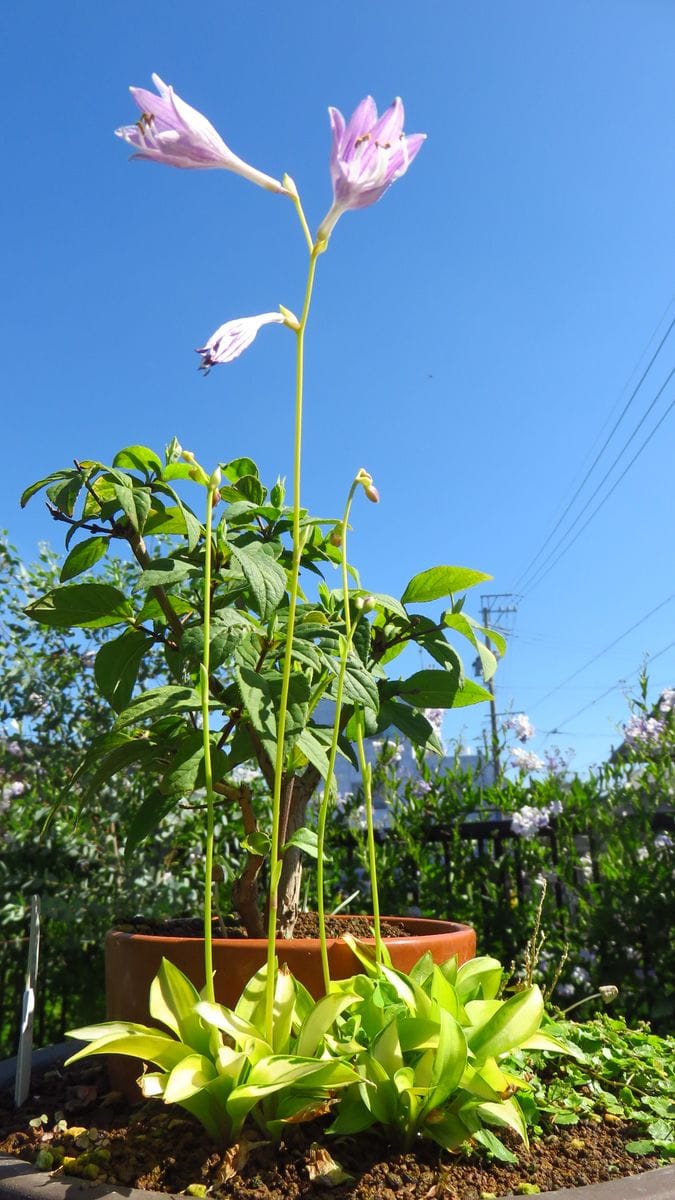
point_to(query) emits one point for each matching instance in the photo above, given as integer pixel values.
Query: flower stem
(204, 672)
(366, 775)
(330, 778)
(275, 859)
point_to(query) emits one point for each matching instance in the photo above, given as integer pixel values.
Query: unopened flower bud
(215, 497)
(369, 603)
(372, 493)
(188, 455)
(335, 538)
(289, 318)
(216, 478)
(608, 992)
(359, 603)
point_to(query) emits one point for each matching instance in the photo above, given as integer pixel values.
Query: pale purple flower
(172, 132)
(643, 730)
(231, 339)
(521, 726)
(662, 841)
(528, 820)
(14, 748)
(525, 760)
(667, 701)
(16, 788)
(368, 154)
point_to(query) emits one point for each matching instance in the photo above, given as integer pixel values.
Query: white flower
(521, 726)
(662, 841)
(244, 774)
(528, 820)
(525, 760)
(667, 701)
(16, 788)
(641, 853)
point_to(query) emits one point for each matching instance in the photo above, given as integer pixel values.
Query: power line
(538, 579)
(598, 456)
(559, 732)
(606, 650)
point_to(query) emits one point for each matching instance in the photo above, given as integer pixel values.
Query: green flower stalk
(204, 675)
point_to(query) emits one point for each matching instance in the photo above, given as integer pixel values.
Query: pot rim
(20, 1181)
(419, 927)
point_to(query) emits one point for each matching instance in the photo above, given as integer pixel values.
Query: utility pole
(495, 605)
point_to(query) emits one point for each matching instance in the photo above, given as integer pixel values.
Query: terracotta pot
(133, 959)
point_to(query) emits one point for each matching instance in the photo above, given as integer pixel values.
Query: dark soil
(306, 926)
(70, 1111)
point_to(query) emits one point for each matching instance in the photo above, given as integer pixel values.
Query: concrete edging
(19, 1180)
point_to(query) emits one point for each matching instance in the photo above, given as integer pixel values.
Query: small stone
(196, 1189)
(527, 1189)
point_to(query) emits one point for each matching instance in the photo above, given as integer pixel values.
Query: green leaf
(250, 487)
(265, 577)
(304, 839)
(64, 495)
(186, 772)
(430, 689)
(42, 483)
(413, 724)
(464, 625)
(139, 458)
(237, 468)
(135, 502)
(83, 556)
(147, 819)
(116, 667)
(82, 605)
(163, 572)
(171, 698)
(441, 581)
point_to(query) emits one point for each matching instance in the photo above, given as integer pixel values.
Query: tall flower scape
(235, 614)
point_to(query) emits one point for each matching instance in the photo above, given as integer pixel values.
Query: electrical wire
(538, 579)
(560, 732)
(606, 650)
(524, 574)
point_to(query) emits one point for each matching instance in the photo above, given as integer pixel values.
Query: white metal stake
(23, 1059)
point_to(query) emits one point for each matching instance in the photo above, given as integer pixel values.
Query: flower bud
(187, 455)
(369, 604)
(216, 479)
(335, 538)
(290, 318)
(372, 494)
(608, 992)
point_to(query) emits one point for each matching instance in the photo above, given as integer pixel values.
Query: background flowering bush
(604, 845)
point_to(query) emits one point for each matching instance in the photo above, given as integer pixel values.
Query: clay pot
(133, 959)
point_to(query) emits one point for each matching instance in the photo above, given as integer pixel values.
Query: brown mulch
(159, 1148)
(306, 927)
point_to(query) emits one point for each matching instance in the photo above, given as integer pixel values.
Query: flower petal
(231, 339)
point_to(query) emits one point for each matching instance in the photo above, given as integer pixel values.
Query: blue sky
(474, 337)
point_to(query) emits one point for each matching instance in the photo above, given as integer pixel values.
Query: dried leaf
(323, 1168)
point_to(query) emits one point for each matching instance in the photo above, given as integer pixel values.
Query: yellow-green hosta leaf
(152, 1084)
(251, 1004)
(173, 999)
(488, 1081)
(404, 1079)
(444, 993)
(242, 1032)
(478, 1012)
(104, 1029)
(518, 1020)
(449, 1062)
(545, 1041)
(506, 1113)
(386, 1050)
(229, 1062)
(152, 1047)
(479, 978)
(320, 1019)
(188, 1077)
(418, 1033)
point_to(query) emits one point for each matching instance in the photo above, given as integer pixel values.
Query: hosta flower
(172, 132)
(232, 338)
(368, 154)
